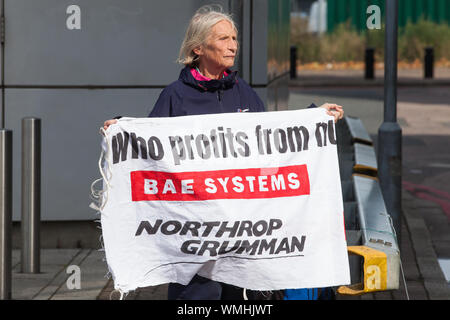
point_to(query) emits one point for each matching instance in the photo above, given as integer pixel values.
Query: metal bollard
(31, 194)
(370, 63)
(293, 62)
(390, 132)
(5, 213)
(429, 63)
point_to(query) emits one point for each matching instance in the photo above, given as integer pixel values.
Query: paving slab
(26, 286)
(93, 272)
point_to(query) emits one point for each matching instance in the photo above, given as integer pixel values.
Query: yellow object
(375, 272)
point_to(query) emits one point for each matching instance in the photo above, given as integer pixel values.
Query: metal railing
(371, 239)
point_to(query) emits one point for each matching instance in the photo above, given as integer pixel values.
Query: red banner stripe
(252, 183)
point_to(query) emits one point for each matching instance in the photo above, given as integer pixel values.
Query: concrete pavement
(57, 279)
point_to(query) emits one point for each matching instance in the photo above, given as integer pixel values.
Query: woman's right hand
(107, 123)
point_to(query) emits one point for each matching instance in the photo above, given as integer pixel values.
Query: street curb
(361, 82)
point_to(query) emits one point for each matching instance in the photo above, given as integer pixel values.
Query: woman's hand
(334, 110)
(107, 123)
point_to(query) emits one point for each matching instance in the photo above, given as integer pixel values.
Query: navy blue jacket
(188, 96)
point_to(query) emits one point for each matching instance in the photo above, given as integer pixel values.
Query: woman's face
(220, 49)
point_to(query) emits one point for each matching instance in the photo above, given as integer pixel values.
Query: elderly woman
(208, 85)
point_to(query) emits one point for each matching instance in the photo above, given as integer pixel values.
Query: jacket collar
(211, 85)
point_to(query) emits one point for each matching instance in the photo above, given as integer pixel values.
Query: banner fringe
(99, 195)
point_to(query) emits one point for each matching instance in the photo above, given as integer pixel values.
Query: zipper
(219, 97)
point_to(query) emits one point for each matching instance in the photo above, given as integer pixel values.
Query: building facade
(74, 64)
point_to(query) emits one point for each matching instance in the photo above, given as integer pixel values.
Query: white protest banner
(249, 199)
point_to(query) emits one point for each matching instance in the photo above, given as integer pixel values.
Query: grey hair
(198, 31)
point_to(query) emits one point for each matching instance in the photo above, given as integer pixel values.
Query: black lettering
(302, 143)
(191, 226)
(223, 248)
(177, 153)
(319, 138)
(331, 136)
(248, 248)
(232, 230)
(222, 142)
(259, 140)
(267, 246)
(240, 136)
(284, 246)
(145, 225)
(266, 133)
(211, 246)
(187, 140)
(257, 232)
(214, 143)
(298, 245)
(245, 226)
(279, 137)
(134, 146)
(209, 226)
(273, 225)
(155, 153)
(203, 146)
(174, 223)
(230, 138)
(120, 147)
(186, 246)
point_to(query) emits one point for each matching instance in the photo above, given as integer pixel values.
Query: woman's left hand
(334, 110)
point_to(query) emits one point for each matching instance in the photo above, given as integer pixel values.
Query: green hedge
(345, 43)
